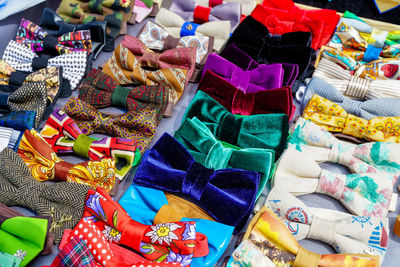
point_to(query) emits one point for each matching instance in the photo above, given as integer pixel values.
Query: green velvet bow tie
(23, 237)
(214, 154)
(268, 131)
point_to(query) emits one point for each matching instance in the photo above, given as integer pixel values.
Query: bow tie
(258, 131)
(233, 188)
(9, 138)
(278, 100)
(189, 11)
(64, 136)
(177, 27)
(213, 154)
(334, 118)
(100, 90)
(344, 232)
(39, 40)
(261, 78)
(235, 55)
(173, 240)
(62, 201)
(280, 20)
(364, 194)
(46, 165)
(377, 107)
(271, 237)
(155, 37)
(139, 126)
(22, 58)
(322, 146)
(152, 206)
(247, 5)
(255, 40)
(127, 68)
(29, 97)
(19, 120)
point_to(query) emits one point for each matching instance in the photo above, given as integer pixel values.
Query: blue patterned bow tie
(19, 120)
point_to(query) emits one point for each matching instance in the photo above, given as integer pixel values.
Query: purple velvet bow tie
(260, 78)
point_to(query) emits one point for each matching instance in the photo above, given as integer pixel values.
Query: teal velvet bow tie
(268, 131)
(213, 154)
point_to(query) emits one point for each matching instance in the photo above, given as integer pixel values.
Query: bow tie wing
(219, 29)
(5, 72)
(380, 107)
(19, 120)
(322, 88)
(31, 35)
(170, 21)
(19, 56)
(227, 11)
(153, 36)
(184, 8)
(84, 115)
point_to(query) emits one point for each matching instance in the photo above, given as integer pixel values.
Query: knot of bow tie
(39, 40)
(62, 201)
(64, 136)
(364, 194)
(334, 118)
(185, 175)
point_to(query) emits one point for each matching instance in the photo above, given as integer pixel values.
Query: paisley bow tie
(40, 40)
(46, 165)
(100, 90)
(140, 126)
(214, 154)
(322, 146)
(20, 57)
(19, 120)
(232, 188)
(334, 118)
(278, 100)
(64, 136)
(176, 26)
(189, 11)
(174, 241)
(346, 233)
(376, 107)
(62, 201)
(257, 131)
(364, 194)
(29, 97)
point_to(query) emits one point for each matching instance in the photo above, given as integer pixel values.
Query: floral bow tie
(130, 63)
(62, 201)
(322, 146)
(176, 26)
(189, 11)
(233, 188)
(369, 109)
(46, 165)
(155, 37)
(20, 57)
(278, 100)
(213, 154)
(334, 118)
(364, 194)
(39, 40)
(100, 90)
(140, 126)
(270, 237)
(170, 242)
(257, 131)
(29, 97)
(346, 233)
(64, 136)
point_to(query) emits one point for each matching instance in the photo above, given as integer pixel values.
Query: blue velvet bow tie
(228, 195)
(19, 120)
(377, 107)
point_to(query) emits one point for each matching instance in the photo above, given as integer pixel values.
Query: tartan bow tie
(41, 41)
(19, 120)
(46, 165)
(63, 201)
(100, 90)
(64, 137)
(22, 58)
(140, 126)
(170, 242)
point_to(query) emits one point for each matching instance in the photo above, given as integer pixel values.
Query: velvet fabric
(169, 166)
(254, 39)
(145, 205)
(268, 131)
(278, 100)
(213, 154)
